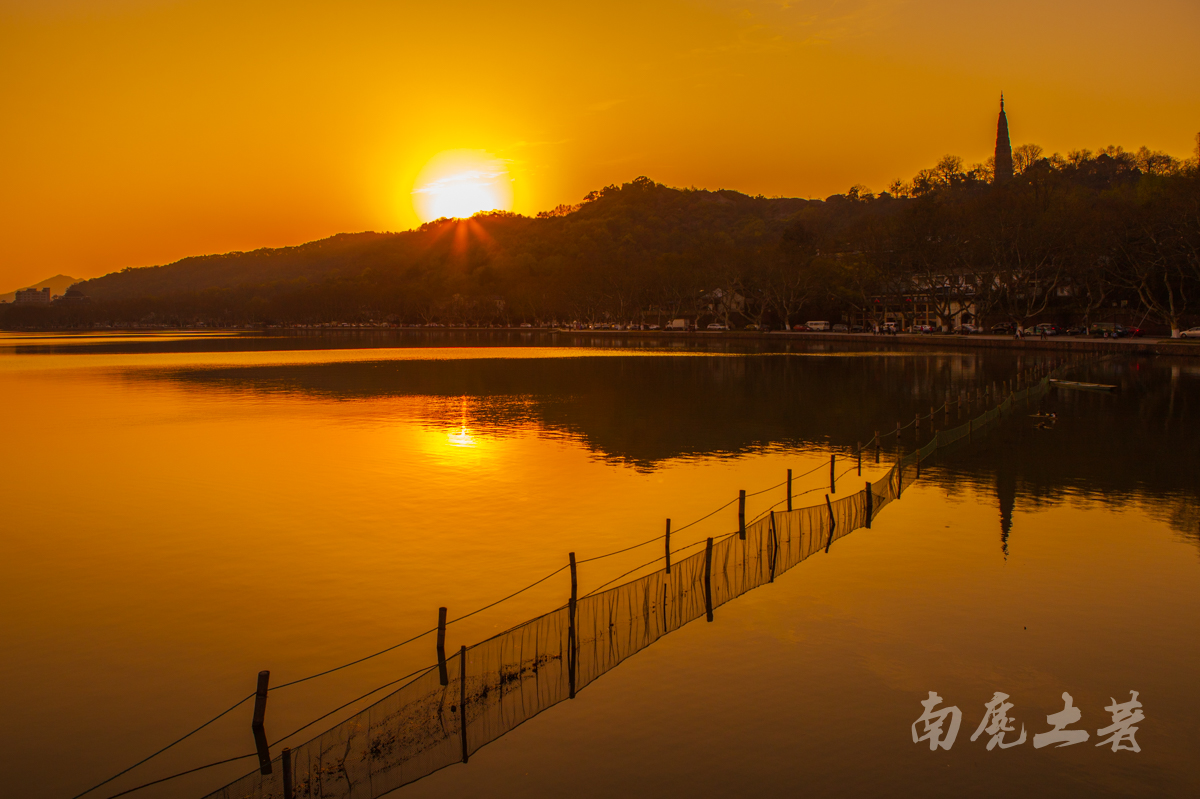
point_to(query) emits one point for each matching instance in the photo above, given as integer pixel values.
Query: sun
(460, 183)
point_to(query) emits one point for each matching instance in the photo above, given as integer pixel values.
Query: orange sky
(137, 132)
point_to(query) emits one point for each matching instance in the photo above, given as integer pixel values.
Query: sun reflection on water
(462, 438)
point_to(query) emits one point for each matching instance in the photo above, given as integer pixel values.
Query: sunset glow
(586, 329)
(317, 120)
(460, 183)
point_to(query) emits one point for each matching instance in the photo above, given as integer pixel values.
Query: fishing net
(502, 682)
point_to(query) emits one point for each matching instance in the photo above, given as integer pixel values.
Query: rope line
(355, 662)
(702, 518)
(165, 748)
(420, 635)
(416, 674)
(619, 551)
(510, 596)
(770, 488)
(182, 773)
(660, 557)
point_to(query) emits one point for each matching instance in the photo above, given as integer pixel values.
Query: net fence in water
(502, 682)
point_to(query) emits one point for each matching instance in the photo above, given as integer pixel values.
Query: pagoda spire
(1004, 159)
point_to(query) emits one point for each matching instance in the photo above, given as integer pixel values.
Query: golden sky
(136, 132)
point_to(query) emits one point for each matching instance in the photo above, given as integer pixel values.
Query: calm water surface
(181, 511)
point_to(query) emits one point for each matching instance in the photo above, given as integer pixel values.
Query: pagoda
(1004, 161)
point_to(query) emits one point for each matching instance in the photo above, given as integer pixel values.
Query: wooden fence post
(878, 444)
(443, 675)
(832, 479)
(832, 523)
(860, 459)
(742, 514)
(285, 758)
(258, 720)
(260, 699)
(571, 635)
(708, 580)
(462, 698)
(917, 428)
(789, 491)
(771, 553)
(870, 504)
(668, 546)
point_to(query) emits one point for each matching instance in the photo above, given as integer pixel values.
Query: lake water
(182, 511)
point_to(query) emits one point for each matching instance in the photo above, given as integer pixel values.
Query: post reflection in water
(192, 514)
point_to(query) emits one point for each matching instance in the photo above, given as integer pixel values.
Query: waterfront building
(32, 297)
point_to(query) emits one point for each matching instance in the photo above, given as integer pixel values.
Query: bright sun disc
(460, 183)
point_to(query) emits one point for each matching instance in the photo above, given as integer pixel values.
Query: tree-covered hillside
(1069, 237)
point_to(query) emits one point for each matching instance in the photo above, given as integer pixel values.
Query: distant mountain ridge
(622, 233)
(57, 285)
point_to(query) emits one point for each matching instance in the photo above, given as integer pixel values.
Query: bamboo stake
(462, 698)
(668, 546)
(832, 523)
(571, 635)
(443, 675)
(708, 580)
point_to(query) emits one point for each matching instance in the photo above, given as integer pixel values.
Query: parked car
(966, 328)
(802, 328)
(1079, 330)
(1047, 328)
(716, 326)
(1004, 329)
(925, 328)
(1133, 332)
(652, 327)
(818, 326)
(856, 328)
(1191, 332)
(1108, 330)
(840, 328)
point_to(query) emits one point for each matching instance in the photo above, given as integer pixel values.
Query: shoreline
(1133, 346)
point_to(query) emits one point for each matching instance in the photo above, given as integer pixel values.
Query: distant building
(1004, 160)
(945, 302)
(32, 297)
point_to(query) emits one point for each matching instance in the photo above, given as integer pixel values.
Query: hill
(57, 285)
(605, 253)
(1065, 240)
